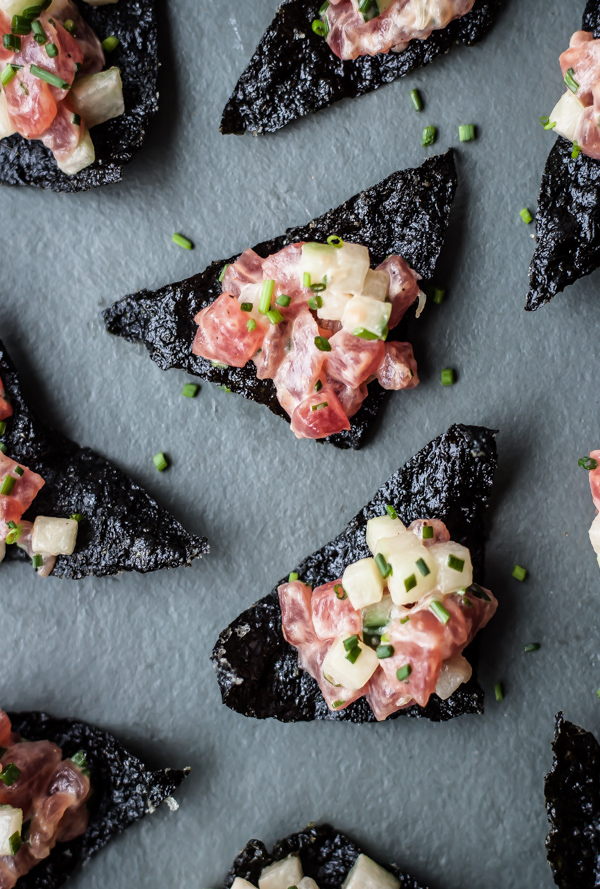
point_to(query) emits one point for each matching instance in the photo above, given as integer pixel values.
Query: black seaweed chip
(294, 72)
(123, 529)
(125, 790)
(406, 214)
(29, 162)
(257, 670)
(572, 790)
(326, 855)
(567, 220)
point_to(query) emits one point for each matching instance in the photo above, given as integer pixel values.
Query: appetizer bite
(67, 788)
(568, 213)
(77, 89)
(70, 511)
(573, 806)
(592, 464)
(306, 323)
(315, 53)
(317, 857)
(374, 624)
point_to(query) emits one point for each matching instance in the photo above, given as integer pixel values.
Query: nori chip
(257, 670)
(572, 790)
(29, 162)
(567, 220)
(124, 790)
(294, 72)
(326, 855)
(123, 529)
(406, 214)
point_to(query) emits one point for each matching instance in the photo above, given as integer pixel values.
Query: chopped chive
(438, 295)
(69, 26)
(274, 316)
(18, 470)
(335, 241)
(283, 300)
(385, 569)
(466, 602)
(384, 651)
(478, 592)
(220, 364)
(320, 28)
(410, 582)
(190, 390)
(266, 294)
(316, 302)
(323, 9)
(39, 33)
(318, 386)
(76, 120)
(320, 406)
(598, 693)
(586, 463)
(576, 151)
(77, 67)
(498, 691)
(37, 561)
(448, 378)
(182, 242)
(403, 673)
(52, 50)
(223, 270)
(570, 80)
(293, 576)
(110, 43)
(3, 447)
(306, 279)
(350, 642)
(24, 88)
(340, 592)
(526, 216)
(429, 136)
(12, 42)
(533, 646)
(385, 638)
(246, 307)
(20, 25)
(49, 77)
(322, 344)
(14, 534)
(225, 388)
(391, 511)
(466, 132)
(160, 461)
(250, 325)
(15, 842)
(7, 74)
(364, 334)
(423, 567)
(427, 532)
(442, 614)
(11, 525)
(405, 620)
(337, 704)
(76, 517)
(354, 654)
(415, 98)
(519, 573)
(455, 563)
(7, 485)
(79, 758)
(2, 427)
(10, 774)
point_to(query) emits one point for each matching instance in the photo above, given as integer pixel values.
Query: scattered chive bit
(351, 642)
(576, 151)
(427, 532)
(79, 758)
(18, 470)
(384, 651)
(416, 100)
(429, 136)
(306, 279)
(406, 619)
(15, 842)
(455, 563)
(318, 386)
(182, 242)
(410, 583)
(24, 88)
(76, 120)
(478, 592)
(337, 704)
(3, 447)
(526, 216)
(190, 390)
(110, 44)
(438, 295)
(403, 673)
(340, 592)
(12, 42)
(160, 461)
(7, 74)
(51, 50)
(364, 334)
(319, 288)
(385, 569)
(21, 25)
(519, 573)
(223, 270)
(37, 562)
(570, 80)
(466, 132)
(585, 462)
(598, 693)
(320, 28)
(423, 567)
(10, 774)
(220, 364)
(76, 517)
(274, 316)
(2, 427)
(533, 646)
(320, 406)
(391, 511)
(49, 77)
(266, 295)
(283, 300)
(225, 388)
(498, 691)
(246, 307)
(322, 344)
(7, 485)
(14, 533)
(448, 378)
(335, 241)
(442, 614)
(466, 602)
(293, 576)
(69, 26)
(315, 302)
(547, 123)
(354, 654)
(39, 33)
(251, 325)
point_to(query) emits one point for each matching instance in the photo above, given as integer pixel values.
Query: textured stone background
(459, 805)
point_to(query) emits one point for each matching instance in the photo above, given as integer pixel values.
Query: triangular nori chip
(406, 214)
(257, 670)
(572, 790)
(294, 72)
(125, 790)
(568, 215)
(29, 162)
(326, 855)
(123, 529)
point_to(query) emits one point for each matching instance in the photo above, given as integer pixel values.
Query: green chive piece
(320, 406)
(15, 842)
(429, 136)
(76, 120)
(2, 427)
(354, 654)
(466, 132)
(570, 80)
(410, 582)
(250, 325)
(52, 50)
(69, 26)
(351, 642)
(14, 534)
(455, 563)
(519, 573)
(39, 33)
(283, 300)
(316, 302)
(526, 216)
(427, 532)
(306, 279)
(18, 470)
(10, 774)
(598, 693)
(384, 651)
(391, 511)
(415, 98)
(266, 295)
(293, 576)
(76, 517)
(335, 241)
(478, 592)
(337, 704)
(318, 288)
(340, 592)
(110, 44)
(220, 364)
(448, 377)
(160, 461)
(3, 447)
(37, 561)
(364, 334)
(225, 388)
(403, 673)
(223, 270)
(385, 569)
(576, 151)
(498, 691)
(423, 567)
(274, 316)
(49, 77)
(323, 9)
(246, 307)
(190, 390)
(7, 485)
(12, 42)
(79, 758)
(442, 614)
(318, 386)
(7, 75)
(405, 620)
(585, 462)
(20, 25)
(320, 28)
(438, 295)
(466, 602)
(533, 646)
(182, 242)
(322, 344)
(24, 88)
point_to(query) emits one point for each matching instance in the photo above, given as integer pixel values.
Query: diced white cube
(238, 883)
(334, 305)
(345, 673)
(281, 874)
(6, 128)
(365, 313)
(319, 260)
(363, 583)
(54, 537)
(98, 97)
(11, 822)
(595, 534)
(353, 262)
(14, 7)
(366, 874)
(454, 566)
(307, 883)
(414, 569)
(82, 157)
(377, 285)
(380, 527)
(454, 672)
(566, 115)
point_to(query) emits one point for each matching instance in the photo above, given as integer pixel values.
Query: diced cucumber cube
(363, 583)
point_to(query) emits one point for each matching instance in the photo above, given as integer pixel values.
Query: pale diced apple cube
(11, 822)
(454, 566)
(380, 527)
(343, 672)
(414, 569)
(54, 537)
(363, 583)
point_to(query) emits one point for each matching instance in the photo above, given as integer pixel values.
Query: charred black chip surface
(123, 529)
(28, 162)
(124, 791)
(406, 214)
(294, 72)
(568, 215)
(572, 791)
(326, 855)
(257, 670)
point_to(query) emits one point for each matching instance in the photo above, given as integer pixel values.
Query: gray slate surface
(461, 804)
